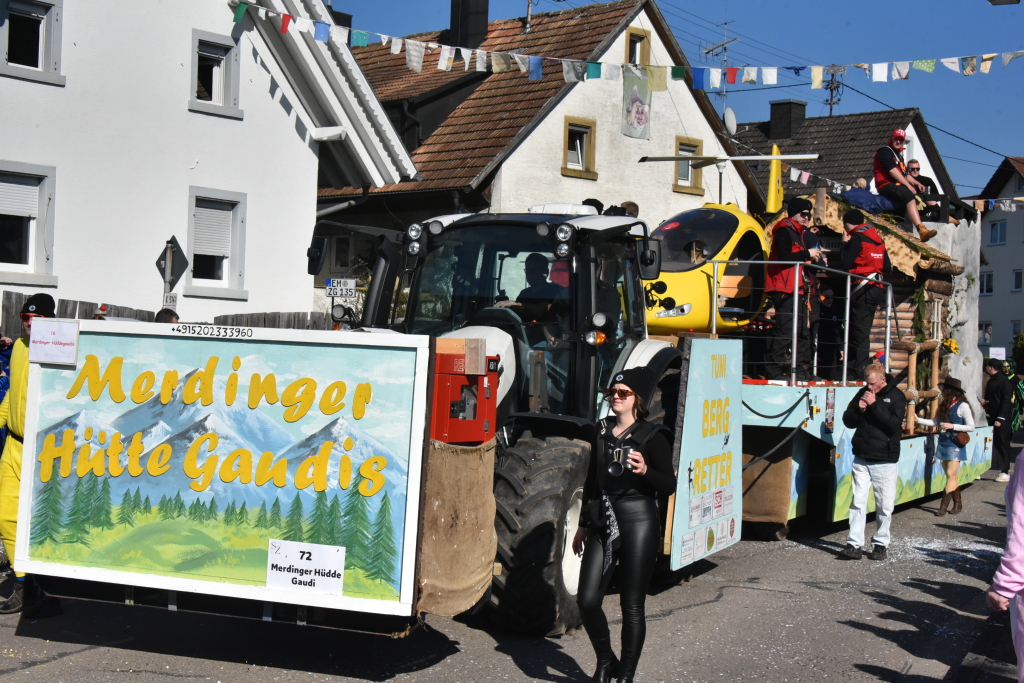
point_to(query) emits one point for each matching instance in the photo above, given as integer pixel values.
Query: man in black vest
(997, 408)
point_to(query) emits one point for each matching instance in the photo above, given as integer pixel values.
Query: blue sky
(980, 108)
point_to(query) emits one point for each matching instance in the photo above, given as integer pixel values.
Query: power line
(979, 163)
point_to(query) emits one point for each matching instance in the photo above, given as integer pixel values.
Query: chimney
(787, 116)
(469, 23)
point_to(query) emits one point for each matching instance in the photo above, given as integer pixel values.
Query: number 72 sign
(305, 567)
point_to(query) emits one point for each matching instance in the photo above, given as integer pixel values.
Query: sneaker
(1003, 478)
(851, 552)
(878, 553)
(45, 606)
(13, 604)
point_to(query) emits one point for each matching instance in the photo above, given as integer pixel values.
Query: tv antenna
(722, 49)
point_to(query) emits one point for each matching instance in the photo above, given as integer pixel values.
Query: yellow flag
(816, 72)
(774, 203)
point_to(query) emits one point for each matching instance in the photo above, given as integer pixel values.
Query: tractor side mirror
(317, 254)
(649, 257)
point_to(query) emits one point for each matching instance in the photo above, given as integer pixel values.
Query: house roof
(488, 125)
(847, 144)
(1002, 175)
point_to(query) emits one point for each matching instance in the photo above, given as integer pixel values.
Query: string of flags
(574, 70)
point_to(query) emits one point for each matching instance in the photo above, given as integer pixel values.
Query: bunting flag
(698, 78)
(657, 80)
(969, 65)
(804, 177)
(679, 73)
(414, 50)
(769, 75)
(522, 61)
(816, 77)
(952, 63)
(396, 46)
(880, 72)
(500, 62)
(925, 65)
(1010, 56)
(536, 68)
(360, 38)
(611, 72)
(570, 72)
(900, 71)
(465, 54)
(593, 70)
(716, 77)
(323, 32)
(481, 60)
(986, 62)
(240, 11)
(794, 174)
(445, 58)
(750, 75)
(730, 74)
(285, 20)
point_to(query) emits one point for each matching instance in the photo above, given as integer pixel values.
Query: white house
(1001, 280)
(124, 123)
(502, 142)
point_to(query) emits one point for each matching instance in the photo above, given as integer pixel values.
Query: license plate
(341, 288)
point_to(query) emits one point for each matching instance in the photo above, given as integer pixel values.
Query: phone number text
(214, 331)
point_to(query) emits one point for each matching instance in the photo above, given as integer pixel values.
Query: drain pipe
(345, 205)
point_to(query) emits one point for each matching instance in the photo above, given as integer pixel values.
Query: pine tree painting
(383, 551)
(229, 514)
(242, 515)
(355, 532)
(293, 528)
(126, 511)
(334, 522)
(275, 514)
(262, 521)
(147, 507)
(195, 511)
(179, 506)
(163, 509)
(211, 510)
(137, 501)
(76, 530)
(319, 521)
(102, 507)
(48, 513)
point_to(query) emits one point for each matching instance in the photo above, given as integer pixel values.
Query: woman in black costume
(630, 465)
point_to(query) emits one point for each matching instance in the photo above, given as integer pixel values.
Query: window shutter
(19, 195)
(212, 228)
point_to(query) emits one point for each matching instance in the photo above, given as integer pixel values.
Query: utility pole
(529, 15)
(722, 49)
(835, 90)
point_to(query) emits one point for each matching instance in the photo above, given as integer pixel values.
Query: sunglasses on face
(805, 214)
(618, 393)
(914, 170)
(25, 317)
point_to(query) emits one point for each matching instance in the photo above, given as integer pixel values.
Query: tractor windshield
(694, 237)
(469, 272)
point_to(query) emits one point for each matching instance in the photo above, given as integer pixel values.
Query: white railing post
(796, 323)
(888, 323)
(714, 300)
(846, 329)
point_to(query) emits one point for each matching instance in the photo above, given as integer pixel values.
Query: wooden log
(939, 286)
(911, 383)
(914, 396)
(939, 266)
(933, 409)
(915, 347)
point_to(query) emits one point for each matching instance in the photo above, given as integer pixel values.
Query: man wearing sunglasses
(924, 205)
(27, 597)
(789, 244)
(892, 181)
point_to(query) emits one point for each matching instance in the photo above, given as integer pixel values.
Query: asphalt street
(757, 611)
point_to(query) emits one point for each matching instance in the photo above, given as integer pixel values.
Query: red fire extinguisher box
(465, 401)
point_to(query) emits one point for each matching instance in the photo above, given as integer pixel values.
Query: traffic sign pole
(169, 258)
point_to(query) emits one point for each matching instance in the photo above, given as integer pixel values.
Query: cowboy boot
(957, 503)
(926, 234)
(607, 663)
(946, 498)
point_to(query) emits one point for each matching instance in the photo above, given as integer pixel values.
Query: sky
(820, 32)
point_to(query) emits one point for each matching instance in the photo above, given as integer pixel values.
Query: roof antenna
(723, 50)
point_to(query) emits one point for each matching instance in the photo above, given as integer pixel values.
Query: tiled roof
(483, 125)
(1002, 176)
(846, 143)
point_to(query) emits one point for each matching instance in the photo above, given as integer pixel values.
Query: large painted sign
(708, 511)
(274, 465)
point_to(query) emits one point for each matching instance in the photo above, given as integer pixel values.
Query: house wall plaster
(531, 175)
(1004, 305)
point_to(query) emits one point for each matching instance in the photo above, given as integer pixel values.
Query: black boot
(958, 504)
(607, 663)
(947, 498)
(627, 668)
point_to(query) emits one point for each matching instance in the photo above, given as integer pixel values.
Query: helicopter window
(694, 237)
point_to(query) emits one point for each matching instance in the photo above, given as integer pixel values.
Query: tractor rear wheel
(538, 488)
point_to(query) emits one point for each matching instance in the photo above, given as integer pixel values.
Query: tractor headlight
(435, 227)
(595, 337)
(562, 250)
(415, 230)
(413, 248)
(599, 319)
(563, 233)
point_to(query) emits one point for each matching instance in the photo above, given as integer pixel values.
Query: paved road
(781, 611)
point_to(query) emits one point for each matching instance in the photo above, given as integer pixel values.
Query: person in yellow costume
(26, 597)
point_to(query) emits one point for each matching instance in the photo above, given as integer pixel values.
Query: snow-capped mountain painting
(96, 521)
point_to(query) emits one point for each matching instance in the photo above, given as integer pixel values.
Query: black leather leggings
(639, 530)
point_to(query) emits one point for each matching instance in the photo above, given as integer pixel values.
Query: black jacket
(998, 393)
(879, 427)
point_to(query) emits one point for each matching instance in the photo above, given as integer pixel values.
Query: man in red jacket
(893, 181)
(863, 253)
(788, 244)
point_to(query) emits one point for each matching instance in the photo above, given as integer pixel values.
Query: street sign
(170, 301)
(179, 264)
(341, 288)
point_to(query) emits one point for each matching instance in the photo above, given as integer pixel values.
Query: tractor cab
(557, 297)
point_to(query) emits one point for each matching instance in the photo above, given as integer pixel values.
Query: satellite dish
(730, 121)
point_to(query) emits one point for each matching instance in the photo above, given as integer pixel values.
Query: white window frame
(50, 40)
(229, 77)
(232, 286)
(1000, 226)
(1017, 280)
(984, 278)
(981, 326)
(39, 271)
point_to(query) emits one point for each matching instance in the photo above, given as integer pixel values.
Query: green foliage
(383, 551)
(229, 514)
(147, 507)
(102, 507)
(355, 533)
(165, 508)
(275, 514)
(126, 511)
(179, 506)
(196, 512)
(76, 529)
(262, 521)
(211, 510)
(920, 324)
(1018, 351)
(242, 515)
(334, 521)
(319, 521)
(293, 529)
(48, 513)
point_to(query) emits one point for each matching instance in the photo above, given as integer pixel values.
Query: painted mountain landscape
(161, 525)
